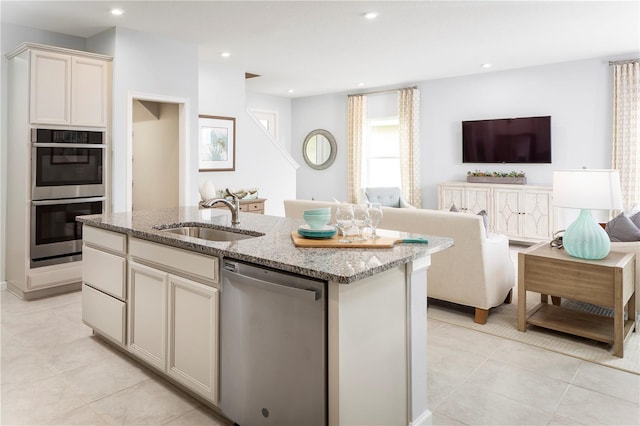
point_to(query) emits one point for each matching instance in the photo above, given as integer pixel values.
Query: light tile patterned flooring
(54, 372)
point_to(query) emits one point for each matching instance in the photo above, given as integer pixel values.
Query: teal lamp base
(585, 238)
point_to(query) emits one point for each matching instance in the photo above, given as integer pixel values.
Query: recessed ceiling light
(360, 84)
(486, 65)
(290, 91)
(225, 54)
(371, 15)
(117, 12)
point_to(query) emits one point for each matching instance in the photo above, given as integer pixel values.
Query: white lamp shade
(587, 189)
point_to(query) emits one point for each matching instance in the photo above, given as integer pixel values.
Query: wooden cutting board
(334, 242)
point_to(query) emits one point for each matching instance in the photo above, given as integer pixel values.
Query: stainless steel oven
(67, 164)
(56, 237)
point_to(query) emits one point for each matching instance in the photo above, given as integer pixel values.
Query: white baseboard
(425, 419)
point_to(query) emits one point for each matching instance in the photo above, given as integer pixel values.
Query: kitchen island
(156, 294)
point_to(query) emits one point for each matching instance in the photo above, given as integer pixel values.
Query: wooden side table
(255, 205)
(608, 282)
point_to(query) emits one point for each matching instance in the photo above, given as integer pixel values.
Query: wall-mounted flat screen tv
(507, 140)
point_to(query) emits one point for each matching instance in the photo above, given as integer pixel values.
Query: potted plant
(512, 177)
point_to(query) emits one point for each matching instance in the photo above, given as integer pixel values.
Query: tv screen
(507, 140)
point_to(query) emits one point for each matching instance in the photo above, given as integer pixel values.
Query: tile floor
(54, 372)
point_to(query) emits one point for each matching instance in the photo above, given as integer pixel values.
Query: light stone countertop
(274, 249)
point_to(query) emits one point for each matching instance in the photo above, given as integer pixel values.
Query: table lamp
(587, 189)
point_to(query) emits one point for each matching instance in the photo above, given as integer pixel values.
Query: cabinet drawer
(112, 241)
(175, 260)
(104, 313)
(104, 271)
(252, 207)
(55, 275)
(255, 207)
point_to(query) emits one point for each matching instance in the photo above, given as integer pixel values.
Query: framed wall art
(217, 143)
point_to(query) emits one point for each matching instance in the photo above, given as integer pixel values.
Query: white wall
(577, 95)
(153, 65)
(327, 112)
(259, 161)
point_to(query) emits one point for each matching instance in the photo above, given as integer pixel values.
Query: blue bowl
(320, 211)
(316, 221)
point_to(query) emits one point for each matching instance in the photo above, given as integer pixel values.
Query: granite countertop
(274, 249)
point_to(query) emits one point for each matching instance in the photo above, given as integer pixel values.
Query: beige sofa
(477, 271)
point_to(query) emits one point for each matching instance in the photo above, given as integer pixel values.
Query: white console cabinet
(522, 212)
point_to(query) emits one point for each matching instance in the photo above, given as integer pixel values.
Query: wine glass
(344, 220)
(375, 217)
(360, 219)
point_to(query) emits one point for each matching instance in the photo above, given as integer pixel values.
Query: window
(381, 154)
(269, 119)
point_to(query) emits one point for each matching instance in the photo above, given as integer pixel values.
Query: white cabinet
(148, 314)
(57, 88)
(68, 89)
(104, 314)
(193, 333)
(174, 314)
(104, 276)
(50, 88)
(522, 212)
(466, 199)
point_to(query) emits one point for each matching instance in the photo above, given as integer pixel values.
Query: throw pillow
(485, 220)
(635, 219)
(454, 208)
(622, 229)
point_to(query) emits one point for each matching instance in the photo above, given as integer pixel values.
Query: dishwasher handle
(307, 294)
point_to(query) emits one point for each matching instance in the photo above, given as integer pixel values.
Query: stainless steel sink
(210, 234)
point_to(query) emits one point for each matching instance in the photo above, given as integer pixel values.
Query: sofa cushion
(622, 229)
(454, 208)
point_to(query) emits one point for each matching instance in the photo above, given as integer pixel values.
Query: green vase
(585, 238)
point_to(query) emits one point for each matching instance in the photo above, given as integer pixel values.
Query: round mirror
(319, 149)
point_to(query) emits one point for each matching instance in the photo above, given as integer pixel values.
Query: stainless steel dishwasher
(272, 347)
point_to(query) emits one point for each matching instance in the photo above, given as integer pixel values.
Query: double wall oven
(67, 180)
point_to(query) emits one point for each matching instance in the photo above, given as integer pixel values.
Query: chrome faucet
(233, 207)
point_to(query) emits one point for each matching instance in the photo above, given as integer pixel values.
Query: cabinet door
(537, 219)
(193, 333)
(476, 199)
(507, 212)
(50, 88)
(147, 314)
(88, 92)
(450, 195)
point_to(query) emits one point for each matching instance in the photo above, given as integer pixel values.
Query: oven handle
(68, 145)
(68, 201)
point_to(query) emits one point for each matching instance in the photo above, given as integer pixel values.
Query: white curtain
(626, 130)
(357, 122)
(409, 118)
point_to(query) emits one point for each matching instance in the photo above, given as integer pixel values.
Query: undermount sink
(210, 234)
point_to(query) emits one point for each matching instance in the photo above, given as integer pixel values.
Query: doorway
(157, 151)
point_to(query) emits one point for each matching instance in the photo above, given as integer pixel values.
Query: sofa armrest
(499, 269)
